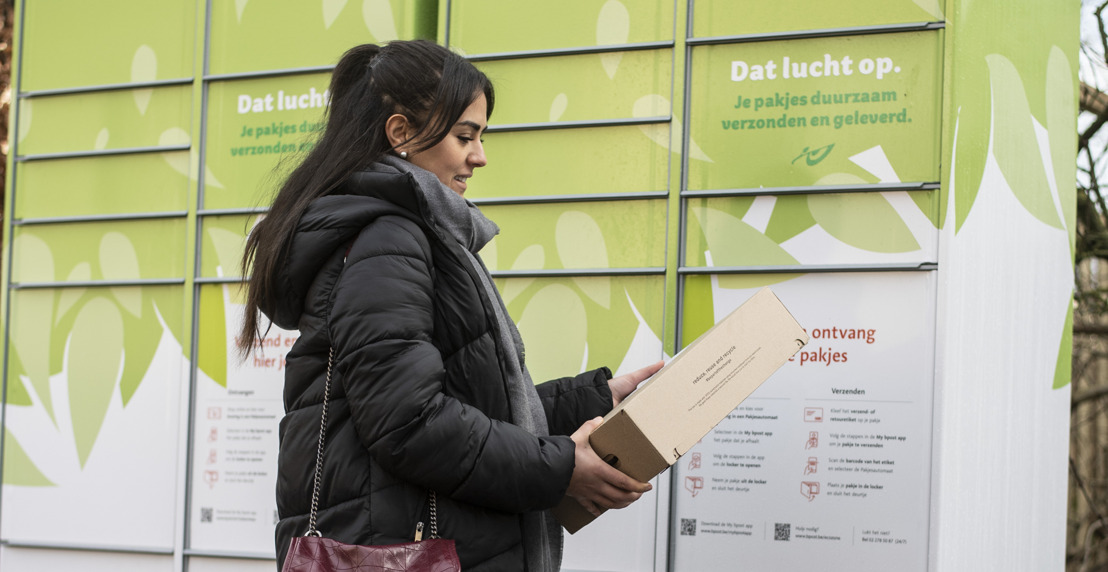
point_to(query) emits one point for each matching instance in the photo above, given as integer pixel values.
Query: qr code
(781, 531)
(205, 514)
(688, 527)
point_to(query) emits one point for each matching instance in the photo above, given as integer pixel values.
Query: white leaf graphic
(613, 26)
(581, 245)
(228, 246)
(118, 261)
(932, 7)
(555, 321)
(33, 258)
(240, 5)
(31, 342)
(101, 139)
(210, 180)
(173, 136)
(488, 255)
(558, 106)
(331, 10)
(177, 160)
(80, 273)
(654, 105)
(379, 20)
(876, 163)
(531, 258)
(610, 63)
(144, 68)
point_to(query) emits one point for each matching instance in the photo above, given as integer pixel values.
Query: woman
(370, 250)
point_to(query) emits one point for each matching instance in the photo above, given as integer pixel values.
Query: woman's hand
(596, 485)
(623, 385)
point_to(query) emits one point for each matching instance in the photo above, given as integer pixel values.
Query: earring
(403, 154)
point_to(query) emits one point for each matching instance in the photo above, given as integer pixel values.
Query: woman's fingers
(596, 485)
(623, 385)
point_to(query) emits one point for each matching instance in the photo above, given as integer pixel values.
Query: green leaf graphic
(1063, 368)
(31, 336)
(790, 217)
(19, 470)
(140, 340)
(863, 220)
(95, 348)
(971, 140)
(732, 242)
(1061, 124)
(212, 335)
(1014, 143)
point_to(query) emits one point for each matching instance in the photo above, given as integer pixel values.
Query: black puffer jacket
(418, 398)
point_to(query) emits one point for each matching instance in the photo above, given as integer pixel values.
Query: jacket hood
(331, 222)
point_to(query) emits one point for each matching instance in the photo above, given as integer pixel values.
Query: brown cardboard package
(677, 407)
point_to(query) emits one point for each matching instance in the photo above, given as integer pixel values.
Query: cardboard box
(696, 390)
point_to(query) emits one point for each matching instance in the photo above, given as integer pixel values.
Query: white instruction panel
(827, 465)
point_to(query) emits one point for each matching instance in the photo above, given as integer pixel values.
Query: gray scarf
(461, 220)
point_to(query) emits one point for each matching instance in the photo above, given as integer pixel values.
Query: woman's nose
(478, 158)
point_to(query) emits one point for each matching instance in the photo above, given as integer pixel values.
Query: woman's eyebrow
(470, 124)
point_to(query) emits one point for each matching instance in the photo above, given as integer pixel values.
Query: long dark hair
(427, 83)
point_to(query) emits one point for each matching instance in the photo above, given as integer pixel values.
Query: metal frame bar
(232, 212)
(199, 280)
(86, 547)
(98, 218)
(579, 272)
(20, 9)
(105, 87)
(500, 56)
(542, 126)
(807, 268)
(813, 190)
(96, 283)
(584, 198)
(682, 231)
(208, 78)
(822, 33)
(189, 408)
(102, 152)
(229, 555)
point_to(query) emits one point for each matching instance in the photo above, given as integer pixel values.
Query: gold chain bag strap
(314, 553)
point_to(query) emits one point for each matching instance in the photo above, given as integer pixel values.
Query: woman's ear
(396, 129)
